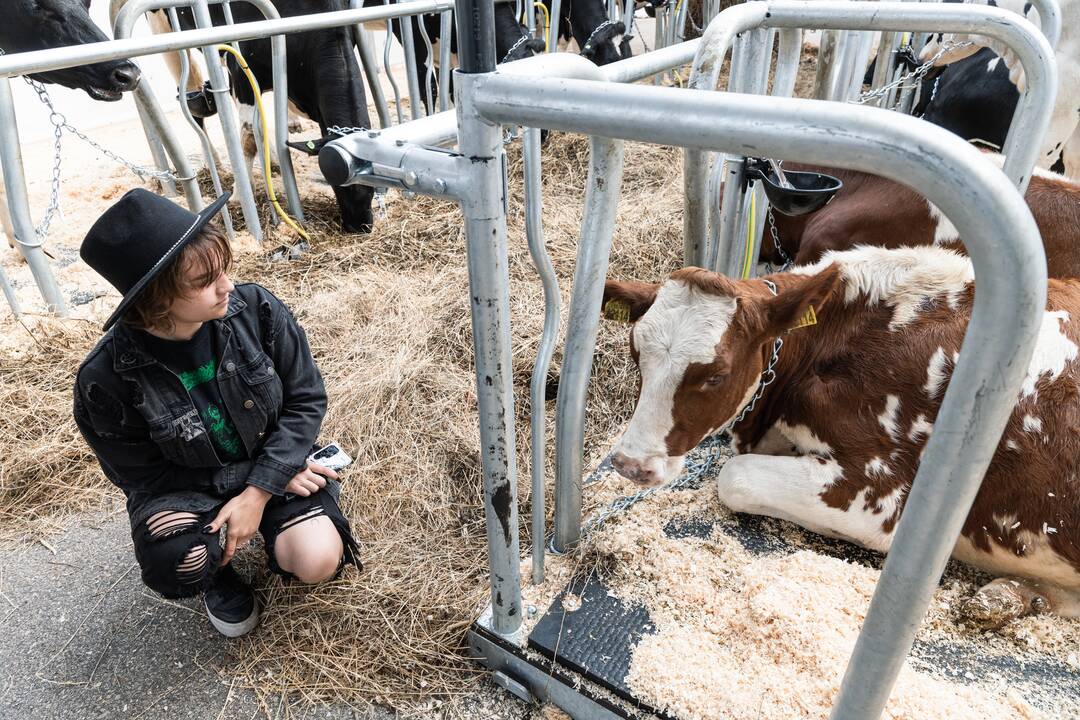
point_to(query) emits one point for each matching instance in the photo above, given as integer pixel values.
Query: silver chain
(697, 471)
(776, 241)
(515, 46)
(914, 76)
(343, 131)
(598, 28)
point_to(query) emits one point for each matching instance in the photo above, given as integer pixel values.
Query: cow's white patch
(877, 468)
(1032, 424)
(683, 326)
(992, 65)
(887, 506)
(790, 488)
(1053, 349)
(1039, 560)
(944, 230)
(804, 439)
(935, 373)
(903, 278)
(920, 427)
(889, 418)
(1011, 445)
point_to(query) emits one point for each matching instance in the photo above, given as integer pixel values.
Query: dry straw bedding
(388, 320)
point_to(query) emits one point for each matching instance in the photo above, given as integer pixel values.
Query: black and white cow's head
(603, 46)
(28, 25)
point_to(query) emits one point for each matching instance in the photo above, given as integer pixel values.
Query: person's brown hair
(205, 258)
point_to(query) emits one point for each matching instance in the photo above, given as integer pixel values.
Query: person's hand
(310, 480)
(243, 514)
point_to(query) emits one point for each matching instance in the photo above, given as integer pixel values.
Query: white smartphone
(331, 456)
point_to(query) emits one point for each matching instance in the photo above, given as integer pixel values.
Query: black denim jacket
(141, 423)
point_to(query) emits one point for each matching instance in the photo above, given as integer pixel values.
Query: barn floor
(679, 608)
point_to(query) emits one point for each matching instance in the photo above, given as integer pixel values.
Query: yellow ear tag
(617, 310)
(809, 318)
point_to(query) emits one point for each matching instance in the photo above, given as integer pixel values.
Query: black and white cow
(587, 23)
(325, 83)
(29, 25)
(1062, 139)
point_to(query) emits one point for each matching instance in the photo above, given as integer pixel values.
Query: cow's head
(602, 46)
(529, 46)
(29, 25)
(701, 342)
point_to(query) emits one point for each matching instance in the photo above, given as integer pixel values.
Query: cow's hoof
(993, 607)
(295, 126)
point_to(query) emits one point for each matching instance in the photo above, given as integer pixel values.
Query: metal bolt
(399, 143)
(440, 185)
(372, 134)
(531, 610)
(410, 178)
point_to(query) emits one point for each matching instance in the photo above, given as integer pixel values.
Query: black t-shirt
(194, 361)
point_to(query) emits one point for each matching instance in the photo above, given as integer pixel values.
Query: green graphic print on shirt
(222, 432)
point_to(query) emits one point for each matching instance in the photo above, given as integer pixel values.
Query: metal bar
(65, 57)
(597, 227)
(1033, 111)
(884, 63)
(386, 66)
(1049, 20)
(489, 291)
(534, 233)
(207, 148)
(556, 22)
(363, 39)
(412, 78)
(157, 149)
(827, 49)
(429, 66)
(446, 37)
(26, 239)
(219, 84)
(1002, 240)
(9, 294)
(788, 59)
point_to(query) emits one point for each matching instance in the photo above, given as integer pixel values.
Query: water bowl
(807, 191)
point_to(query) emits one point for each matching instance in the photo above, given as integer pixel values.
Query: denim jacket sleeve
(129, 458)
(287, 446)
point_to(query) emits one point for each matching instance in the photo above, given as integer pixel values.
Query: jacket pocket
(181, 439)
(265, 387)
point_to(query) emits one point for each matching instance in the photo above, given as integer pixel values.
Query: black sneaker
(230, 604)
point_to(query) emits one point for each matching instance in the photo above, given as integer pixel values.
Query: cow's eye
(716, 380)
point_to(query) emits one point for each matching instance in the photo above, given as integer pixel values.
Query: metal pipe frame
(446, 34)
(555, 12)
(208, 149)
(1029, 123)
(1002, 240)
(412, 80)
(363, 39)
(56, 58)
(29, 244)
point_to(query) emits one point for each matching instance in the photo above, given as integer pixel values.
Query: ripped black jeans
(178, 559)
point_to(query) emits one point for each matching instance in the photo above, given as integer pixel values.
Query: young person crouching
(202, 403)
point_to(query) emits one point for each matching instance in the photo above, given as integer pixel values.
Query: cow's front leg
(790, 488)
(1009, 598)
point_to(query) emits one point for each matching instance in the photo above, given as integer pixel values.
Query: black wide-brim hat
(137, 238)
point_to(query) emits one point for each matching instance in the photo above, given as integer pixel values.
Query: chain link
(914, 76)
(696, 471)
(776, 242)
(515, 46)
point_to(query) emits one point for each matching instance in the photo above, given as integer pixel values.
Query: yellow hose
(547, 22)
(265, 139)
(751, 223)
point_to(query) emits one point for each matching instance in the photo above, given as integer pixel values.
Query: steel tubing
(26, 239)
(534, 233)
(65, 57)
(446, 34)
(1002, 240)
(412, 79)
(1032, 113)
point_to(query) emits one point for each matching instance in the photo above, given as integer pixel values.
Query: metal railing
(727, 247)
(981, 201)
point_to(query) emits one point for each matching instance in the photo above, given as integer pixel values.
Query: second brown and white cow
(834, 442)
(872, 210)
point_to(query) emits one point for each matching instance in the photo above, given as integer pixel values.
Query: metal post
(1002, 240)
(480, 142)
(446, 34)
(157, 149)
(827, 50)
(534, 232)
(219, 84)
(208, 149)
(364, 40)
(412, 80)
(556, 22)
(26, 238)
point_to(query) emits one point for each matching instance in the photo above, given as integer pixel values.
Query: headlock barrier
(568, 93)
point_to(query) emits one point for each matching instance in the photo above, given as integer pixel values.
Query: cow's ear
(628, 301)
(799, 302)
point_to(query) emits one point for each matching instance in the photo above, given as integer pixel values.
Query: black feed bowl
(811, 191)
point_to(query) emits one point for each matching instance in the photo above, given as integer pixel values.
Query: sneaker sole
(234, 630)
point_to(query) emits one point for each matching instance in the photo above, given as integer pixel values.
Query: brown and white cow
(834, 442)
(872, 210)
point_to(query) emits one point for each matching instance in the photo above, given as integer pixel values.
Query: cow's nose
(633, 469)
(126, 77)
